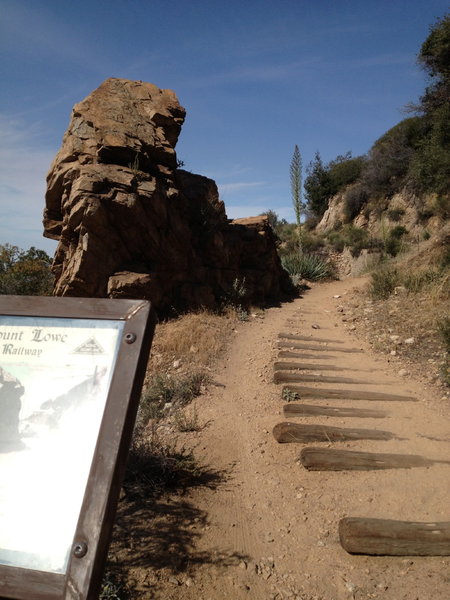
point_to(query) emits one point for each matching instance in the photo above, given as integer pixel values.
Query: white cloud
(23, 168)
(225, 188)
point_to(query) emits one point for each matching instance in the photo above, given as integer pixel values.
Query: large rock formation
(130, 224)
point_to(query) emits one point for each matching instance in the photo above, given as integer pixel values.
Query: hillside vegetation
(412, 159)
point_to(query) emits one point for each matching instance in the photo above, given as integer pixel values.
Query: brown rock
(130, 224)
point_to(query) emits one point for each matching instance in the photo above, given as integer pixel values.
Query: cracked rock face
(132, 225)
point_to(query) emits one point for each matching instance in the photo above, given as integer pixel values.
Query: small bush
(354, 199)
(187, 421)
(444, 332)
(353, 237)
(112, 588)
(445, 258)
(337, 240)
(441, 207)
(290, 395)
(416, 281)
(395, 214)
(311, 242)
(393, 240)
(383, 282)
(392, 246)
(398, 232)
(306, 266)
(164, 389)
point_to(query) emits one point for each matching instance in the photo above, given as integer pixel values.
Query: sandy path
(269, 531)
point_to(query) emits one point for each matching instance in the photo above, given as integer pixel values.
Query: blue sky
(255, 76)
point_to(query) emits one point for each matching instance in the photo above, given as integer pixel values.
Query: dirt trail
(270, 529)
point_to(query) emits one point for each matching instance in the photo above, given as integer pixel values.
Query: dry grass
(195, 340)
(411, 299)
(183, 353)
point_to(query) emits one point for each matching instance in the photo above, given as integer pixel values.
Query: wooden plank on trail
(383, 537)
(288, 432)
(289, 366)
(330, 459)
(306, 338)
(330, 394)
(310, 410)
(290, 354)
(317, 348)
(288, 376)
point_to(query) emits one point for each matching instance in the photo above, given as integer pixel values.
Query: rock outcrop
(132, 225)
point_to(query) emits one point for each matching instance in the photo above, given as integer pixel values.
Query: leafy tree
(434, 56)
(324, 181)
(274, 220)
(430, 167)
(390, 156)
(317, 186)
(25, 272)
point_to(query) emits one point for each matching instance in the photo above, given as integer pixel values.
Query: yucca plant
(306, 266)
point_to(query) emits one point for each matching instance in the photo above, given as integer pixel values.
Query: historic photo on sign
(54, 379)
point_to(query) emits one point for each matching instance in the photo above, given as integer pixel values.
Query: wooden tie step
(330, 394)
(291, 366)
(288, 376)
(288, 432)
(307, 338)
(309, 410)
(290, 354)
(330, 459)
(316, 347)
(384, 537)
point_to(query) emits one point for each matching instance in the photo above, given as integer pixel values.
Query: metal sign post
(71, 372)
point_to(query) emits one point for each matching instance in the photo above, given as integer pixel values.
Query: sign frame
(82, 579)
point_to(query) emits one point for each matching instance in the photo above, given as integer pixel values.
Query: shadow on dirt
(156, 529)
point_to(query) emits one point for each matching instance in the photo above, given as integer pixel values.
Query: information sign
(71, 371)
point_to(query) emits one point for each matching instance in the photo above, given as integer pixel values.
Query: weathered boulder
(130, 224)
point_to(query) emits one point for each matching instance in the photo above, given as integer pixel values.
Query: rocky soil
(257, 524)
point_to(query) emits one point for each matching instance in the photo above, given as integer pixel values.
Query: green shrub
(393, 240)
(306, 266)
(383, 282)
(345, 170)
(392, 246)
(311, 242)
(352, 237)
(337, 240)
